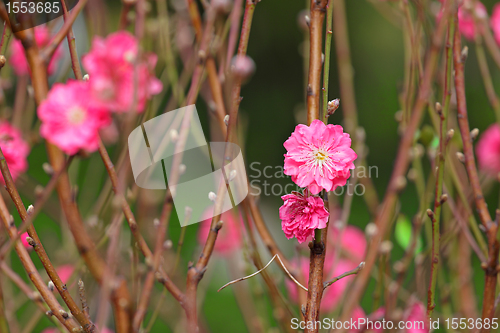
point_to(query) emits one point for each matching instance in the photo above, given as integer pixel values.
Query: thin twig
(83, 298)
(440, 164)
(482, 209)
(75, 64)
(50, 48)
(351, 272)
(402, 160)
(88, 326)
(32, 272)
(262, 269)
(195, 272)
(39, 203)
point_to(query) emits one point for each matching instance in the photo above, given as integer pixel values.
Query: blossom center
(320, 155)
(77, 115)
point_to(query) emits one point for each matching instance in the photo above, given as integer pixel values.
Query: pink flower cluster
(74, 112)
(301, 214)
(351, 243)
(319, 157)
(15, 150)
(488, 151)
(467, 22)
(18, 57)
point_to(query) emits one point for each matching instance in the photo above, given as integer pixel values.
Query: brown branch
(318, 246)
(261, 270)
(48, 51)
(401, 165)
(318, 9)
(348, 95)
(23, 286)
(213, 79)
(86, 247)
(75, 63)
(470, 165)
(346, 274)
(161, 231)
(39, 203)
(32, 272)
(87, 325)
(195, 272)
(83, 298)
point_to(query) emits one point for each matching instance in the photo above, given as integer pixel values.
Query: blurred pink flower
(110, 65)
(50, 330)
(18, 58)
(55, 330)
(24, 241)
(333, 294)
(352, 242)
(466, 23)
(488, 150)
(229, 237)
(415, 315)
(15, 150)
(495, 22)
(319, 156)
(69, 120)
(301, 214)
(65, 272)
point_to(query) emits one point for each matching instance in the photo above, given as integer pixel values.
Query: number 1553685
(33, 7)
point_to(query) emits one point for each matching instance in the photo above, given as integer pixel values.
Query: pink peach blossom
(65, 272)
(333, 294)
(18, 57)
(50, 330)
(319, 156)
(69, 120)
(488, 150)
(301, 214)
(416, 314)
(495, 22)
(110, 65)
(374, 325)
(466, 21)
(15, 150)
(24, 241)
(229, 238)
(352, 242)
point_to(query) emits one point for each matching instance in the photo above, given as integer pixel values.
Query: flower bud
(303, 20)
(51, 286)
(464, 54)
(212, 196)
(221, 6)
(461, 157)
(182, 168)
(474, 133)
(243, 67)
(333, 106)
(3, 60)
(174, 135)
(64, 314)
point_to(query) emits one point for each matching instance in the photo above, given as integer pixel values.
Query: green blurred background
(268, 114)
